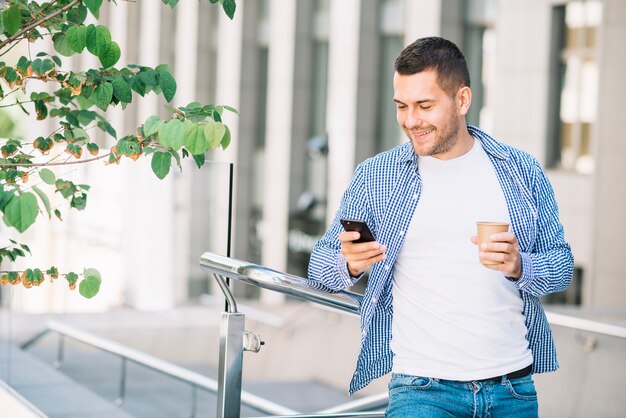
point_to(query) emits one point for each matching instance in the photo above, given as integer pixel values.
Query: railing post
(194, 400)
(60, 353)
(230, 365)
(122, 393)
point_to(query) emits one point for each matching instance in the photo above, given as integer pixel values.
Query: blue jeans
(424, 397)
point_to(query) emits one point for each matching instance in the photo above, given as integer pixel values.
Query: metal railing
(126, 354)
(230, 367)
(233, 336)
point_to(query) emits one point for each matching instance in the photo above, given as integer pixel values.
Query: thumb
(474, 239)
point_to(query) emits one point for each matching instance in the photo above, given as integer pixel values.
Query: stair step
(54, 393)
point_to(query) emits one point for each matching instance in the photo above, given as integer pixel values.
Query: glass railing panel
(144, 235)
(592, 375)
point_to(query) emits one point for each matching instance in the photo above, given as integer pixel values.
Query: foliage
(76, 99)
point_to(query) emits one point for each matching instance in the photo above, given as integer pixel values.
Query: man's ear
(463, 100)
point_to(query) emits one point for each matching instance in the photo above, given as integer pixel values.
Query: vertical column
(150, 245)
(422, 18)
(185, 72)
(607, 276)
(341, 112)
(228, 92)
(278, 134)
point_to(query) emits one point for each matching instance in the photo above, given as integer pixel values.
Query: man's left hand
(504, 249)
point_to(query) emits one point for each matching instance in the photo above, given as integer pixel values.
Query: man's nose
(413, 119)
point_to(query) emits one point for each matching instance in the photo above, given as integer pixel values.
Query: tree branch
(53, 164)
(38, 22)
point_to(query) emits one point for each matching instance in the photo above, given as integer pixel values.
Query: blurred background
(312, 80)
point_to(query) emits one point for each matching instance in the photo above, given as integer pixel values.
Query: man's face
(427, 114)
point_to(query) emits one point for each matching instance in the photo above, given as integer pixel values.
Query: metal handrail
(288, 284)
(267, 278)
(582, 324)
(196, 380)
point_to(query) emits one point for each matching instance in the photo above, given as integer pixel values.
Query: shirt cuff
(527, 272)
(342, 265)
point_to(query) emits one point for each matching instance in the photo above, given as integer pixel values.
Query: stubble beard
(447, 137)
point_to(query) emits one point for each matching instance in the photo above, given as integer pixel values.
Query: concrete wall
(608, 286)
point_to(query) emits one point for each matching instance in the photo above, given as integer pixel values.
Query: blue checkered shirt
(384, 192)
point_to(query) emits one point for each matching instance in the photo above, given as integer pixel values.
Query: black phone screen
(360, 227)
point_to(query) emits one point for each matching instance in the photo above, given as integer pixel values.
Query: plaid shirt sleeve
(328, 269)
(549, 265)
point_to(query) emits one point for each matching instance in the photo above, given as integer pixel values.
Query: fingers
(360, 256)
(504, 250)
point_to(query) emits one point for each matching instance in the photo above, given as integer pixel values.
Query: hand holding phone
(360, 227)
(365, 253)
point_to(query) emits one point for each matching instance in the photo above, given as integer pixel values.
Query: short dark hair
(438, 54)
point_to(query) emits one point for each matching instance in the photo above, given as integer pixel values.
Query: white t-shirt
(454, 318)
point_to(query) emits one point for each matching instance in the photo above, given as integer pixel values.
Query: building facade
(312, 80)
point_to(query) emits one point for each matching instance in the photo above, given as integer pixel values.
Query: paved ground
(87, 383)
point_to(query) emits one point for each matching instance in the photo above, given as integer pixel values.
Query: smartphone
(360, 227)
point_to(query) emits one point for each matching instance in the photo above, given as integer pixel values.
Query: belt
(513, 375)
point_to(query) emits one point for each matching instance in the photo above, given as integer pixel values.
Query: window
(307, 220)
(388, 132)
(574, 85)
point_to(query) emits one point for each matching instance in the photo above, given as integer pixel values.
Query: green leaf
(149, 77)
(77, 37)
(214, 133)
(94, 7)
(71, 277)
(93, 149)
(12, 20)
(152, 125)
(66, 188)
(80, 134)
(89, 287)
(161, 162)
(176, 158)
(77, 14)
(61, 45)
(199, 160)
(41, 110)
(195, 139)
(85, 117)
(98, 39)
(229, 8)
(5, 197)
(106, 127)
(21, 211)
(111, 56)
(172, 132)
(53, 272)
(231, 109)
(44, 199)
(121, 90)
(103, 95)
(226, 140)
(47, 176)
(79, 202)
(168, 85)
(36, 65)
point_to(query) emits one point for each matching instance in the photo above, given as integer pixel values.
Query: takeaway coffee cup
(485, 229)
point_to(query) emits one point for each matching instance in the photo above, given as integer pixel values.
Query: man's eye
(426, 107)
(400, 107)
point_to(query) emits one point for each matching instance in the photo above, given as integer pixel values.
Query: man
(461, 336)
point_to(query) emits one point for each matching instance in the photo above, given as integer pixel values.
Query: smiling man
(461, 335)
